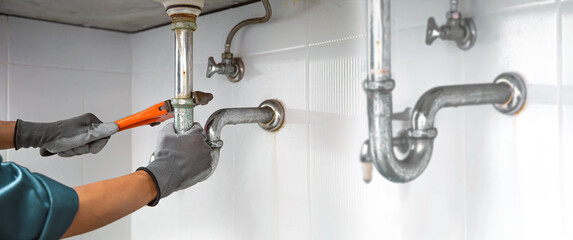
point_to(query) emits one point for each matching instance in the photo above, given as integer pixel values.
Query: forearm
(7, 134)
(103, 202)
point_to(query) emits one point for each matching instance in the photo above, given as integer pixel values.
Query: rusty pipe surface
(183, 25)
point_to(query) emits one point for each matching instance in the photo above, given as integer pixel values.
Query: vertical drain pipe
(183, 14)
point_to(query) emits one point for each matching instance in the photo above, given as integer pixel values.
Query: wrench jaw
(202, 98)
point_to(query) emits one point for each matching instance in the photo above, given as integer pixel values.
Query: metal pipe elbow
(405, 170)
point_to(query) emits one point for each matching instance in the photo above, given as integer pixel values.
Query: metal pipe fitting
(454, 5)
(183, 103)
(422, 132)
(270, 115)
(507, 93)
(183, 15)
(234, 68)
(463, 31)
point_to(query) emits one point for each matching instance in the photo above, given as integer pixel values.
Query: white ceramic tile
(342, 206)
(293, 205)
(107, 95)
(417, 68)
(490, 6)
(331, 20)
(276, 76)
(492, 199)
(539, 183)
(210, 37)
(286, 29)
(567, 42)
(3, 39)
(506, 43)
(415, 13)
(159, 222)
(44, 94)
(151, 88)
(336, 72)
(43, 43)
(117, 230)
(153, 49)
(567, 153)
(106, 51)
(256, 169)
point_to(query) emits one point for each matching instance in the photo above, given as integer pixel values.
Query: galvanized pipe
(379, 40)
(434, 99)
(183, 63)
(420, 137)
(183, 26)
(232, 116)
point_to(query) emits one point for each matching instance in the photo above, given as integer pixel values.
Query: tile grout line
(68, 68)
(464, 152)
(559, 49)
(308, 143)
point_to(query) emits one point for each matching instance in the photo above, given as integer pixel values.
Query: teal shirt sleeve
(33, 206)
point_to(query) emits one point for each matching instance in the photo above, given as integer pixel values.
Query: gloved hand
(75, 136)
(180, 162)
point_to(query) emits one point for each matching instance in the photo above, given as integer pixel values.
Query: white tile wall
(304, 182)
(566, 118)
(491, 176)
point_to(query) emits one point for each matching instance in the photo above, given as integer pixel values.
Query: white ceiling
(118, 15)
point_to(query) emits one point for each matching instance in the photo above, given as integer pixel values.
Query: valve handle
(432, 31)
(212, 67)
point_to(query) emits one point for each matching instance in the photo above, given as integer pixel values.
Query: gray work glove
(70, 137)
(181, 160)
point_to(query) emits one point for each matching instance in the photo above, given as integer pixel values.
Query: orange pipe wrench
(158, 113)
(152, 116)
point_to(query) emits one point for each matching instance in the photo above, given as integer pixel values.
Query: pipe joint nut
(379, 86)
(429, 133)
(215, 144)
(182, 103)
(184, 25)
(226, 55)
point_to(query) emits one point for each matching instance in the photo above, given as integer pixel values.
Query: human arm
(103, 202)
(180, 162)
(7, 134)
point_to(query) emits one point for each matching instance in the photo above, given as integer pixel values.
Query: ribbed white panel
(335, 86)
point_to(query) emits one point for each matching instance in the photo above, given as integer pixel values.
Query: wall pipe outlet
(507, 93)
(270, 115)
